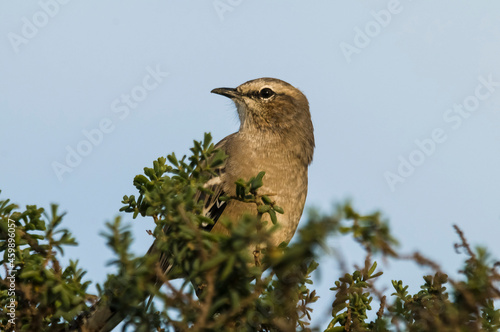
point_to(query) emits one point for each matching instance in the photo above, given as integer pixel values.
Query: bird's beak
(227, 92)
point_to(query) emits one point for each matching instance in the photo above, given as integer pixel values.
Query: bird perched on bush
(275, 136)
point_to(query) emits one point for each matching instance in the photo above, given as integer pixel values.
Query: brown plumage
(275, 136)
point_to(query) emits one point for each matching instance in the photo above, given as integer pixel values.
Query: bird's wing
(213, 207)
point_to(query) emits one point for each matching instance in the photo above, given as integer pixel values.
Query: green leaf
(173, 159)
(207, 139)
(263, 208)
(228, 268)
(213, 262)
(140, 180)
(257, 182)
(272, 214)
(278, 209)
(266, 200)
(150, 173)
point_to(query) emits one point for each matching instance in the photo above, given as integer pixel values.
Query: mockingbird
(275, 136)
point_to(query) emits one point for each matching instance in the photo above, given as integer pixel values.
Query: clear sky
(404, 95)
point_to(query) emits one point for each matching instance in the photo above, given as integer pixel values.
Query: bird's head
(269, 104)
(273, 110)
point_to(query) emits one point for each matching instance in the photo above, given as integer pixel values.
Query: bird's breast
(285, 181)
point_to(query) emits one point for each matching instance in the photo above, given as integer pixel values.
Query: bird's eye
(266, 93)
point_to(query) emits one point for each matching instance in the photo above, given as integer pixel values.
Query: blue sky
(404, 95)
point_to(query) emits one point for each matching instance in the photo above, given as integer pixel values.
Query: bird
(276, 135)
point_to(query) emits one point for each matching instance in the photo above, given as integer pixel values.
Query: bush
(222, 287)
